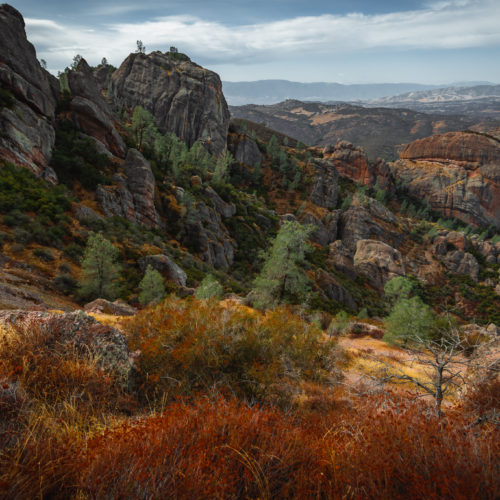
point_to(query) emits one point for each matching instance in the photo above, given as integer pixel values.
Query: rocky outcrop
(324, 192)
(341, 258)
(184, 98)
(132, 194)
(79, 332)
(462, 263)
(378, 262)
(244, 150)
(90, 112)
(458, 173)
(326, 227)
(116, 308)
(352, 162)
(366, 218)
(166, 266)
(26, 122)
(333, 290)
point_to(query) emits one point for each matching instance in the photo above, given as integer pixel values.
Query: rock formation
(244, 150)
(458, 173)
(132, 194)
(91, 113)
(352, 162)
(378, 262)
(166, 266)
(26, 122)
(324, 192)
(184, 98)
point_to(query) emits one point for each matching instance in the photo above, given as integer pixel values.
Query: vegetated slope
(479, 100)
(380, 131)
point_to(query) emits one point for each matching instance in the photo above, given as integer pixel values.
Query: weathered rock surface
(184, 98)
(341, 258)
(166, 266)
(116, 308)
(245, 150)
(462, 263)
(458, 173)
(333, 290)
(324, 192)
(81, 332)
(132, 194)
(378, 262)
(366, 218)
(326, 227)
(91, 112)
(26, 132)
(352, 162)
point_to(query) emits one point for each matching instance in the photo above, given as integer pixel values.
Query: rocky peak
(184, 98)
(91, 113)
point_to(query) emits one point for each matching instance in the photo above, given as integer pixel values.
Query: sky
(345, 41)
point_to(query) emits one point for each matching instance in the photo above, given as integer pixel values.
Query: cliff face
(459, 174)
(90, 112)
(184, 98)
(29, 99)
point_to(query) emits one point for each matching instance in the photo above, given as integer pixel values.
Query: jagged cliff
(184, 98)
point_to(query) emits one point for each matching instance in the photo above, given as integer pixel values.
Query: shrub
(209, 288)
(190, 346)
(44, 254)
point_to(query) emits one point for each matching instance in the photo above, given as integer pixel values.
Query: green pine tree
(100, 272)
(152, 288)
(282, 278)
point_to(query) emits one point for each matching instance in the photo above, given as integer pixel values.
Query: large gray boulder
(184, 98)
(324, 192)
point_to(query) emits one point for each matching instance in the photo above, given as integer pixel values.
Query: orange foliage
(380, 448)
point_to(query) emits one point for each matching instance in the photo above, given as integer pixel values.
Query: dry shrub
(52, 397)
(190, 346)
(380, 448)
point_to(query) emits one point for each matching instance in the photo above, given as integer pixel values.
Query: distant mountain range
(274, 91)
(381, 131)
(478, 100)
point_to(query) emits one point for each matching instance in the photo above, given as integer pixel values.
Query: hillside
(195, 306)
(379, 130)
(479, 100)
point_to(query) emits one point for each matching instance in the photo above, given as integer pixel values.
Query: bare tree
(447, 361)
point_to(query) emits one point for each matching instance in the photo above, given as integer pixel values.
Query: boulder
(378, 262)
(166, 266)
(184, 98)
(326, 227)
(81, 332)
(26, 132)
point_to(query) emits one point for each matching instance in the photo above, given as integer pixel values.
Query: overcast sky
(346, 41)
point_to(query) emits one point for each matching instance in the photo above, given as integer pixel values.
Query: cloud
(444, 24)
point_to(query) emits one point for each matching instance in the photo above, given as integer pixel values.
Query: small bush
(44, 254)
